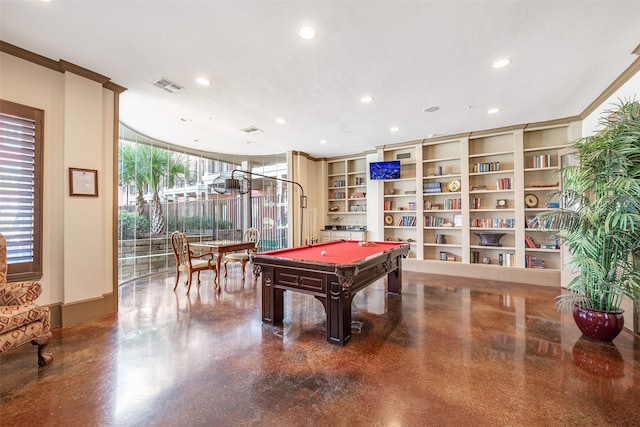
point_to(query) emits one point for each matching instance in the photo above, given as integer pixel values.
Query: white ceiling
(408, 55)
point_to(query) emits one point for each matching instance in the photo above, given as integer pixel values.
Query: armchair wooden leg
(225, 268)
(189, 282)
(177, 278)
(42, 341)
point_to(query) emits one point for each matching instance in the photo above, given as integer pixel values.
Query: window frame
(32, 270)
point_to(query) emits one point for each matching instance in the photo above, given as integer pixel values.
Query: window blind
(20, 187)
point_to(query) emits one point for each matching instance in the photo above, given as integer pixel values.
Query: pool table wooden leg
(338, 314)
(272, 299)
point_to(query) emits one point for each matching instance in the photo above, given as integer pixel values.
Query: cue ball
(323, 253)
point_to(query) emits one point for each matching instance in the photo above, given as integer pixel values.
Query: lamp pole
(303, 198)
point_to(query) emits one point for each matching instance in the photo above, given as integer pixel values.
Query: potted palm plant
(600, 223)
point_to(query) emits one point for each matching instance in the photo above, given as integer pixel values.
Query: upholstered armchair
(21, 320)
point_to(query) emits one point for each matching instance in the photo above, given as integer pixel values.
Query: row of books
(533, 262)
(447, 256)
(449, 204)
(432, 187)
(530, 243)
(406, 221)
(486, 167)
(537, 223)
(503, 184)
(507, 259)
(434, 221)
(541, 161)
(493, 222)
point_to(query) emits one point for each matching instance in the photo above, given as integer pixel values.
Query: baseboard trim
(82, 311)
(529, 276)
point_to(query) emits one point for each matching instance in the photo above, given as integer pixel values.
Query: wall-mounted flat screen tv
(384, 170)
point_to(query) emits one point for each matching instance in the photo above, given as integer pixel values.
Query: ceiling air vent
(252, 129)
(168, 85)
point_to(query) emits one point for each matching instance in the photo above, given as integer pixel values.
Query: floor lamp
(233, 183)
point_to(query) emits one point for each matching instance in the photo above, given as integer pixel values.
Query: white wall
(629, 91)
(78, 132)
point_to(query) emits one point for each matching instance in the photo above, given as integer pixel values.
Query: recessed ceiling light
(196, 140)
(186, 119)
(493, 110)
(501, 63)
(394, 129)
(323, 141)
(431, 109)
(250, 142)
(281, 121)
(366, 99)
(203, 81)
(307, 32)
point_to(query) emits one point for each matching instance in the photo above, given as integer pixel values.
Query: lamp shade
(232, 184)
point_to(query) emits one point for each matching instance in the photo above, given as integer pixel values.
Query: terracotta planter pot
(598, 325)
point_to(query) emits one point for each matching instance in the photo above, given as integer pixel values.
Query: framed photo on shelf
(457, 220)
(83, 182)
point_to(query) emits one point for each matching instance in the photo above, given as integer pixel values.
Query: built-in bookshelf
(347, 188)
(442, 200)
(400, 210)
(541, 148)
(454, 189)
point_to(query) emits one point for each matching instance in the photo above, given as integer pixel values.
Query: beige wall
(78, 132)
(310, 174)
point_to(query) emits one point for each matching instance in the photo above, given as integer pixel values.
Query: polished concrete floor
(448, 351)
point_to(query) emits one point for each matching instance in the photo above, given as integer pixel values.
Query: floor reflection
(447, 351)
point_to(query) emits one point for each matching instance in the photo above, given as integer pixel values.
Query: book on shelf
(447, 256)
(506, 259)
(452, 204)
(529, 242)
(406, 221)
(434, 221)
(541, 161)
(486, 167)
(432, 187)
(493, 222)
(533, 262)
(503, 184)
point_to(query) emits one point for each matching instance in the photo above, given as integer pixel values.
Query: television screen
(385, 170)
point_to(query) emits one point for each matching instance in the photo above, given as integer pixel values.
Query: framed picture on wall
(83, 182)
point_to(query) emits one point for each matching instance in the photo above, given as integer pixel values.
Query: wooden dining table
(219, 248)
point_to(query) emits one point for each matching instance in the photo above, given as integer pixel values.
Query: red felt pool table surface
(338, 252)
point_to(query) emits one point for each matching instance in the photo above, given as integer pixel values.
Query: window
(21, 140)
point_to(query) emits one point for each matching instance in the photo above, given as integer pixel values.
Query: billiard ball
(323, 253)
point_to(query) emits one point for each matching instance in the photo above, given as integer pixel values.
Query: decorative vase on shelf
(490, 239)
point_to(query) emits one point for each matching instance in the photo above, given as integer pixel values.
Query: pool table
(332, 272)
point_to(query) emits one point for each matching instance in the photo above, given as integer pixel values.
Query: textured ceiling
(407, 55)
